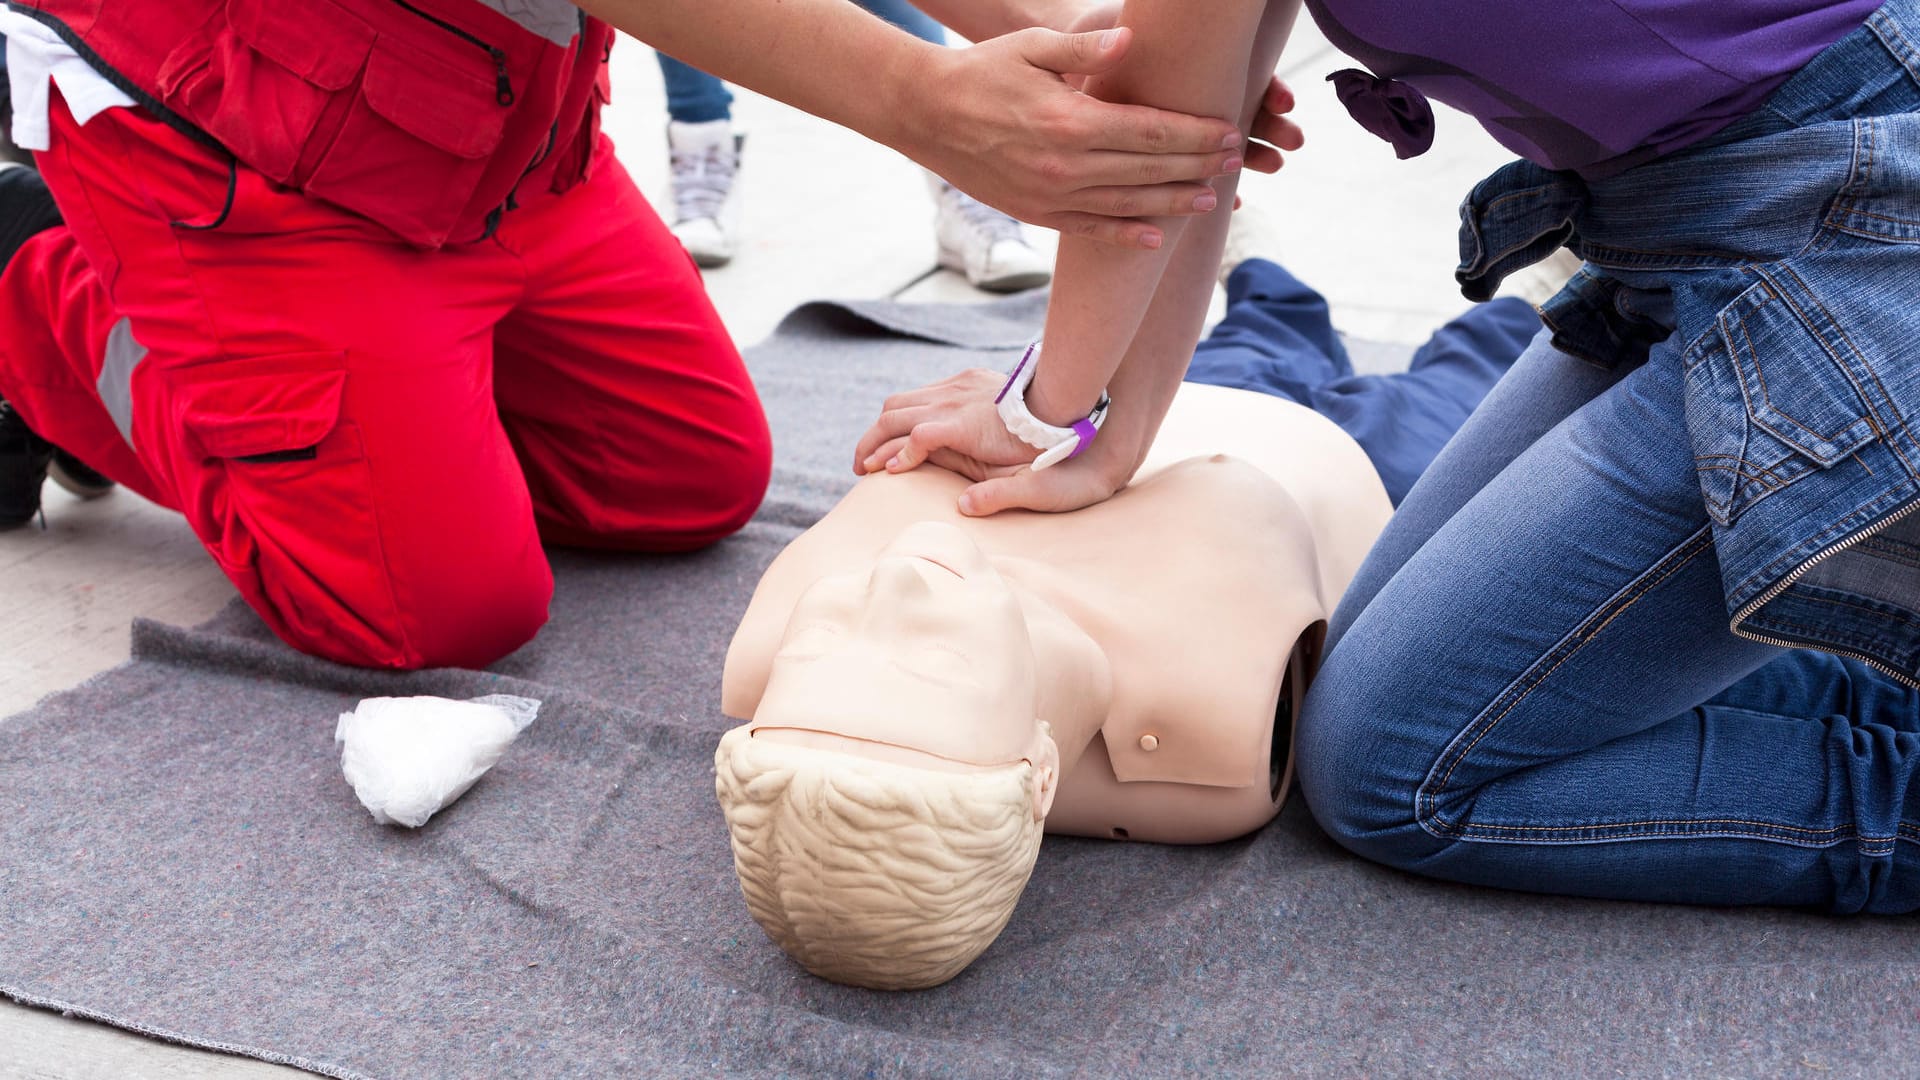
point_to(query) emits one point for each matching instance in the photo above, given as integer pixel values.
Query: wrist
(1054, 407)
(900, 112)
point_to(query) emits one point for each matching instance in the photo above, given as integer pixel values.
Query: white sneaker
(984, 244)
(1251, 234)
(706, 201)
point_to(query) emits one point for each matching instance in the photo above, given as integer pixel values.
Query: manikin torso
(1158, 634)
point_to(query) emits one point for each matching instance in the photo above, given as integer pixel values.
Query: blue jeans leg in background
(1531, 684)
(1277, 338)
(695, 97)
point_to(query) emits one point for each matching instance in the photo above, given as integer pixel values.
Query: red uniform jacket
(430, 117)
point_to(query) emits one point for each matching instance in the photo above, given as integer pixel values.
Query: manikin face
(928, 652)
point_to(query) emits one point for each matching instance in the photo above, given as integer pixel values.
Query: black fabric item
(179, 855)
(26, 209)
(24, 457)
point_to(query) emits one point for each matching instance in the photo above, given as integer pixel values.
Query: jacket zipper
(1800, 571)
(513, 196)
(502, 84)
(553, 133)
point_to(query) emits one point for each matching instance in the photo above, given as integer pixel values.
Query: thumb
(1024, 490)
(1075, 54)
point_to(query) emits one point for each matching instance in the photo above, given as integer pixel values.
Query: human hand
(1070, 485)
(1000, 122)
(955, 423)
(1272, 130)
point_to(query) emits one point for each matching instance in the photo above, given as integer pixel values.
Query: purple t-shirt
(1590, 85)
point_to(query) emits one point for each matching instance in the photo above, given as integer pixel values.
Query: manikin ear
(1046, 772)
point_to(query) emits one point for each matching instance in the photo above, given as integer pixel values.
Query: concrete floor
(827, 214)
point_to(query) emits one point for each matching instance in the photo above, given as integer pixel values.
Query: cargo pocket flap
(285, 34)
(262, 406)
(448, 107)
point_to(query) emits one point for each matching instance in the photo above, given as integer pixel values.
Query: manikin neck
(1073, 677)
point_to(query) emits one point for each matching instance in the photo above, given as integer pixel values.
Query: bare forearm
(790, 51)
(978, 20)
(1128, 320)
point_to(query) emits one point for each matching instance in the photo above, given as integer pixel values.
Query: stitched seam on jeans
(1685, 553)
(1605, 250)
(1866, 157)
(1866, 233)
(1834, 831)
(1505, 253)
(1753, 352)
(1871, 846)
(1906, 56)
(1773, 474)
(1865, 363)
(1853, 212)
(1742, 493)
(1815, 543)
(1879, 549)
(1867, 847)
(1905, 620)
(1522, 193)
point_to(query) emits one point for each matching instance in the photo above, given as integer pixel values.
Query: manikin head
(886, 803)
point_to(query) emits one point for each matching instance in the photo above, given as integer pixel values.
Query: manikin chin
(926, 693)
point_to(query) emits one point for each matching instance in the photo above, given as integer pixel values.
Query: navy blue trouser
(1277, 338)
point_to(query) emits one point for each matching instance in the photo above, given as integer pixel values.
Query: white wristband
(1056, 443)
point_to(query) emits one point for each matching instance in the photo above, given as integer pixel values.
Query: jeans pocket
(1767, 402)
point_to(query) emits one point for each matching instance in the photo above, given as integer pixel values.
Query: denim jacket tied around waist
(1779, 265)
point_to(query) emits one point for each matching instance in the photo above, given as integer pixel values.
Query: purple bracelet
(1017, 369)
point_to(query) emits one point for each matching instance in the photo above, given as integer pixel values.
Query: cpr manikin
(925, 691)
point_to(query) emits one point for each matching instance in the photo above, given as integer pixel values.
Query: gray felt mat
(180, 856)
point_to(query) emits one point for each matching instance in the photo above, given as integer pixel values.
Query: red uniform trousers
(373, 440)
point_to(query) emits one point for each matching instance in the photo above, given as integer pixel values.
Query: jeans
(1277, 339)
(695, 97)
(1533, 683)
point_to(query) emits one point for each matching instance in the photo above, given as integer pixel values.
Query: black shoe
(24, 457)
(77, 476)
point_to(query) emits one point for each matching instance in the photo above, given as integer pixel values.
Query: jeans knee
(1359, 771)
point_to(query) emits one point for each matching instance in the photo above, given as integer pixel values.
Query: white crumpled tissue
(409, 757)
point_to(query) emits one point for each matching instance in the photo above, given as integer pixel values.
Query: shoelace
(702, 180)
(982, 218)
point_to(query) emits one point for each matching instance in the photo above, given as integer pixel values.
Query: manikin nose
(900, 578)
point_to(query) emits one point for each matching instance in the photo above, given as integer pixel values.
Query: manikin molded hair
(873, 873)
